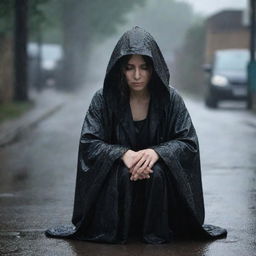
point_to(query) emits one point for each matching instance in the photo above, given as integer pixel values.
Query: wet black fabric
(142, 134)
(172, 199)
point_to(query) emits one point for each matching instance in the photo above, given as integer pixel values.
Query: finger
(145, 165)
(145, 176)
(141, 177)
(132, 171)
(142, 170)
(135, 177)
(149, 170)
(144, 173)
(132, 165)
(139, 164)
(152, 162)
(138, 157)
(150, 165)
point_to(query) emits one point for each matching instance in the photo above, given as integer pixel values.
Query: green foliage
(6, 16)
(87, 20)
(96, 19)
(45, 21)
(13, 110)
(85, 23)
(36, 15)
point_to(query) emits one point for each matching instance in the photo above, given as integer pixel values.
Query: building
(225, 30)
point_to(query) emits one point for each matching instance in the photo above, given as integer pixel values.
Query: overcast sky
(207, 7)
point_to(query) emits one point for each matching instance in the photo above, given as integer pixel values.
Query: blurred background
(53, 57)
(50, 43)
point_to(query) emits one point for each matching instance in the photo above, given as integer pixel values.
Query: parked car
(227, 79)
(44, 64)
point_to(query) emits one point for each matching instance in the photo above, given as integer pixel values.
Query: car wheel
(211, 102)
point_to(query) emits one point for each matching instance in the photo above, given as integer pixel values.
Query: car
(44, 64)
(227, 76)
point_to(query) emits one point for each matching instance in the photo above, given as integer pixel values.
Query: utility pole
(252, 63)
(20, 51)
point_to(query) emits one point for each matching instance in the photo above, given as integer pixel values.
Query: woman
(138, 164)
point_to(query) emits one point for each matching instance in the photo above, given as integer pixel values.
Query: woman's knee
(157, 181)
(123, 173)
(158, 171)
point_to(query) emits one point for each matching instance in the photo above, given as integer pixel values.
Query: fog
(161, 19)
(65, 47)
(207, 8)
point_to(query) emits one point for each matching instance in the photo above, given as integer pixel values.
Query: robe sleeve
(180, 152)
(181, 145)
(96, 158)
(94, 148)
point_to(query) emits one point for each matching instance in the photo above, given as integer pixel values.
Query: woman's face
(137, 73)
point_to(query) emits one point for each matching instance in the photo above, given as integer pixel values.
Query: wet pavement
(37, 179)
(44, 104)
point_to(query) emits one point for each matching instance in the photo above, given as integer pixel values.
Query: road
(37, 180)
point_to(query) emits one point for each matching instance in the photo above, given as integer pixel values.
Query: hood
(137, 41)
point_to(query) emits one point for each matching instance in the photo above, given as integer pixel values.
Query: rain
(54, 56)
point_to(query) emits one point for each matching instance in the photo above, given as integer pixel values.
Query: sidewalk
(46, 103)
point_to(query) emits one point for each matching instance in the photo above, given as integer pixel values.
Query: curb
(13, 132)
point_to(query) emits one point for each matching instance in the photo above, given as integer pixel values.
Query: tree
(84, 23)
(6, 52)
(17, 19)
(20, 45)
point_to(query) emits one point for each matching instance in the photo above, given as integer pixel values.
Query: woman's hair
(122, 85)
(117, 90)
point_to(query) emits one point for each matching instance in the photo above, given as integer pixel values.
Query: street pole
(252, 28)
(39, 79)
(252, 63)
(20, 49)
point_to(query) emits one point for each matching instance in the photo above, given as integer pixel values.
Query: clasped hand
(140, 163)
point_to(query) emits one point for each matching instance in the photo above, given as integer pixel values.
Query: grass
(13, 110)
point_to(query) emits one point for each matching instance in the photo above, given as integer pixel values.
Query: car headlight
(48, 65)
(219, 80)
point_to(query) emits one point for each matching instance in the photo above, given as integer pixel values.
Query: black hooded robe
(107, 204)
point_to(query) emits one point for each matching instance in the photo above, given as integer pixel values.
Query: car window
(51, 52)
(231, 60)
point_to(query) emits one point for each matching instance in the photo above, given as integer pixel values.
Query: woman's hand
(130, 158)
(145, 160)
(143, 174)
